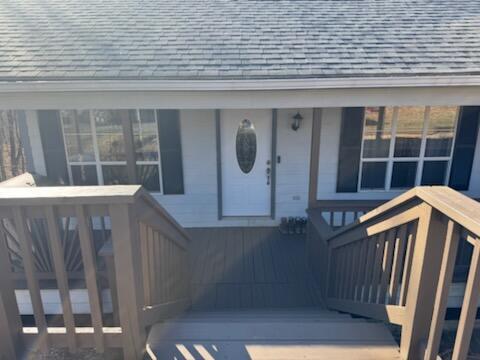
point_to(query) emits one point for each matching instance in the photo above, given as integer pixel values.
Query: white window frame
(96, 152)
(158, 162)
(420, 160)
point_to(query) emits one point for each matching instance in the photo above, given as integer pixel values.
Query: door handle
(268, 171)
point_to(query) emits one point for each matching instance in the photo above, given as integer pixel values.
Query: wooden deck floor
(242, 268)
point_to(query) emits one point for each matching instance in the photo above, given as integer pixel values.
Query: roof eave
(236, 85)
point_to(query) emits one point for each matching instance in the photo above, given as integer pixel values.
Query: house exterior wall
(198, 206)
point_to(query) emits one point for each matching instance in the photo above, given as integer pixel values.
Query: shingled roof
(237, 39)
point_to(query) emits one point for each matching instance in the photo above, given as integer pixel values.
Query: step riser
(293, 331)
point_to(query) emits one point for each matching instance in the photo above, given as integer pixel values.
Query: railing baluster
(386, 266)
(377, 267)
(155, 259)
(90, 268)
(337, 274)
(26, 245)
(354, 271)
(441, 296)
(61, 275)
(342, 273)
(469, 307)
(348, 271)
(147, 275)
(398, 256)
(408, 264)
(163, 269)
(152, 262)
(10, 336)
(368, 268)
(361, 269)
(332, 273)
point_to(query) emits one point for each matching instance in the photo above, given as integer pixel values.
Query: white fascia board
(235, 85)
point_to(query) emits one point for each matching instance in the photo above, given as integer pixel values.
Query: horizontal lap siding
(294, 169)
(198, 206)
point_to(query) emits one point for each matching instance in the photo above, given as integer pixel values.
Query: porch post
(428, 249)
(273, 165)
(314, 156)
(129, 146)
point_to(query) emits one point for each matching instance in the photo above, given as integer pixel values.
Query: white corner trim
(258, 84)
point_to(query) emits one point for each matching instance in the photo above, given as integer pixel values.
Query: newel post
(128, 271)
(10, 324)
(426, 262)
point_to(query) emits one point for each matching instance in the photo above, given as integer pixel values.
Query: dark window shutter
(171, 151)
(53, 146)
(464, 151)
(350, 145)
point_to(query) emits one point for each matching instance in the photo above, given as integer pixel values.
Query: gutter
(236, 85)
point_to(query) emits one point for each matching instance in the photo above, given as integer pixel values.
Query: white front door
(246, 138)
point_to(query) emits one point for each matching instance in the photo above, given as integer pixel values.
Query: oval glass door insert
(246, 146)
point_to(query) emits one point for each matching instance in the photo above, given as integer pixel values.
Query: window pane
(434, 172)
(377, 132)
(84, 175)
(115, 174)
(246, 146)
(404, 174)
(145, 133)
(78, 135)
(373, 175)
(148, 176)
(111, 145)
(76, 122)
(441, 128)
(409, 131)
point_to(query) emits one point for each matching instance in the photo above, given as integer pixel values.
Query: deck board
(254, 267)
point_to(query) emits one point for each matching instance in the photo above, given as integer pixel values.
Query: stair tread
(271, 334)
(237, 350)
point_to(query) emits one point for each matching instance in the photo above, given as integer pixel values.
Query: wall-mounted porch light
(297, 119)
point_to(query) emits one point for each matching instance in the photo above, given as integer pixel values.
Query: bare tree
(12, 159)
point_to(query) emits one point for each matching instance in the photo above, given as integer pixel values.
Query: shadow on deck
(248, 268)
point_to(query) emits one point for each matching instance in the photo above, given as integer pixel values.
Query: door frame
(273, 162)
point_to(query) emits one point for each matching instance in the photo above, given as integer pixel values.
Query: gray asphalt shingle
(237, 39)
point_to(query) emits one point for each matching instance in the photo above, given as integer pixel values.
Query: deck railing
(396, 263)
(141, 248)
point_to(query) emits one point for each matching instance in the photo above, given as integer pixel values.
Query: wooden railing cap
(68, 195)
(453, 204)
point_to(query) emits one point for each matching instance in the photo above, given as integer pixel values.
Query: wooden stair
(270, 334)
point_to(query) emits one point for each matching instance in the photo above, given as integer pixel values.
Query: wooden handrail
(460, 208)
(144, 248)
(387, 264)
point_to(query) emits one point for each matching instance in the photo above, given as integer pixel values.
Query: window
(246, 146)
(406, 146)
(95, 147)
